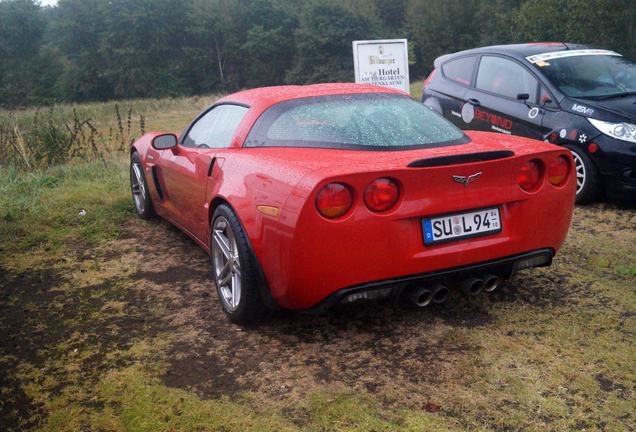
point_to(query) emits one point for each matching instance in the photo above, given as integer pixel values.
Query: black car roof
(519, 51)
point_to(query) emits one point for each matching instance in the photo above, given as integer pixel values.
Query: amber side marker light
(382, 194)
(334, 200)
(558, 170)
(529, 174)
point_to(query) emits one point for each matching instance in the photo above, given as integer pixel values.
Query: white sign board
(382, 62)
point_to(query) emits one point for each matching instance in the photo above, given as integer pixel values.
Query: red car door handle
(474, 102)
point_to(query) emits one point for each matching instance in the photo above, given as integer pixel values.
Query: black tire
(249, 307)
(588, 186)
(140, 194)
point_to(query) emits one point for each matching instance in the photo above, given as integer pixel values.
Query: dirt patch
(64, 330)
(154, 280)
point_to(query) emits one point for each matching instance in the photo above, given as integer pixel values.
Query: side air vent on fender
(155, 179)
(460, 159)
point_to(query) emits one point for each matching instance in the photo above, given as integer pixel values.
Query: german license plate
(461, 225)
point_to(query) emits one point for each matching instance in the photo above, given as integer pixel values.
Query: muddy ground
(154, 281)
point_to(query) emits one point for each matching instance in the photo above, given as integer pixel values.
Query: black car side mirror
(523, 96)
(164, 141)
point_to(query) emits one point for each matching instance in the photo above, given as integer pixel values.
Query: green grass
(136, 402)
(41, 210)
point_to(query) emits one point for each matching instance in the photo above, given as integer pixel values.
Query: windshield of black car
(591, 76)
(355, 121)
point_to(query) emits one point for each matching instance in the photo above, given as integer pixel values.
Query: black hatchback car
(567, 94)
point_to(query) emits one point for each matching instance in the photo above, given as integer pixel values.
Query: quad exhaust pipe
(422, 296)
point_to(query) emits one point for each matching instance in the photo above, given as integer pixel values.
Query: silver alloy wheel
(138, 187)
(227, 266)
(581, 174)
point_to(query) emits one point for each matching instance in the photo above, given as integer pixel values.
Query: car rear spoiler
(460, 159)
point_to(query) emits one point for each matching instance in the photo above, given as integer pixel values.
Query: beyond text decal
(497, 122)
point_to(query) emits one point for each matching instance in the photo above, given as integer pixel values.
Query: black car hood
(614, 109)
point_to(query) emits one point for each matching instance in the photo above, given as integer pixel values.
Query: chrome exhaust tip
(420, 296)
(491, 283)
(440, 293)
(472, 286)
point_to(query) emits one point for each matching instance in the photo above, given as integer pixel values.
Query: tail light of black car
(428, 80)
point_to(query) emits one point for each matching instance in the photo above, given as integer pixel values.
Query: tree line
(83, 50)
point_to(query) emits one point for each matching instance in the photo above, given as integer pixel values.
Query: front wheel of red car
(234, 268)
(139, 188)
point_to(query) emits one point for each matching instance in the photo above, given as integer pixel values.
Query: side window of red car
(460, 70)
(505, 78)
(216, 128)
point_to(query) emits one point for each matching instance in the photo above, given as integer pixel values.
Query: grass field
(111, 323)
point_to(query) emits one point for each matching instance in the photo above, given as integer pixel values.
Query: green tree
(77, 28)
(323, 42)
(603, 23)
(22, 26)
(440, 27)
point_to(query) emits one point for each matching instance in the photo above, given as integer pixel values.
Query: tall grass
(40, 138)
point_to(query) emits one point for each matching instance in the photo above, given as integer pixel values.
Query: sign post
(382, 62)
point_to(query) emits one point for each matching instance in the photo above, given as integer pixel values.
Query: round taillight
(334, 200)
(381, 195)
(529, 175)
(558, 170)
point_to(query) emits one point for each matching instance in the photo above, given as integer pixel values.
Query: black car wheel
(587, 178)
(139, 189)
(234, 268)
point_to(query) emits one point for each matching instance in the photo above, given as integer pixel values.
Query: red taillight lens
(529, 175)
(428, 79)
(334, 200)
(558, 170)
(381, 194)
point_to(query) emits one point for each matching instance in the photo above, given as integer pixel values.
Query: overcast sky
(48, 2)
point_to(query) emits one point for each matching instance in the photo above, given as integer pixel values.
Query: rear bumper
(392, 288)
(337, 256)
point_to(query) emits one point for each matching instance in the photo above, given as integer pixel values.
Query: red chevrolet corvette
(309, 196)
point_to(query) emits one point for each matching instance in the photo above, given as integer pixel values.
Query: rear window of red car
(360, 121)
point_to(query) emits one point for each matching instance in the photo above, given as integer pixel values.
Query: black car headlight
(621, 131)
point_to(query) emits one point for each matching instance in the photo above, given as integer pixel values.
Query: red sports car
(309, 196)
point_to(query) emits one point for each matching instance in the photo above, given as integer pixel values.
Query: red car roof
(264, 97)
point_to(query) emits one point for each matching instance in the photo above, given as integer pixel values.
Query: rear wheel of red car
(587, 179)
(234, 268)
(139, 188)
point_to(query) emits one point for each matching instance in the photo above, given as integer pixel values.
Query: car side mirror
(164, 141)
(523, 96)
